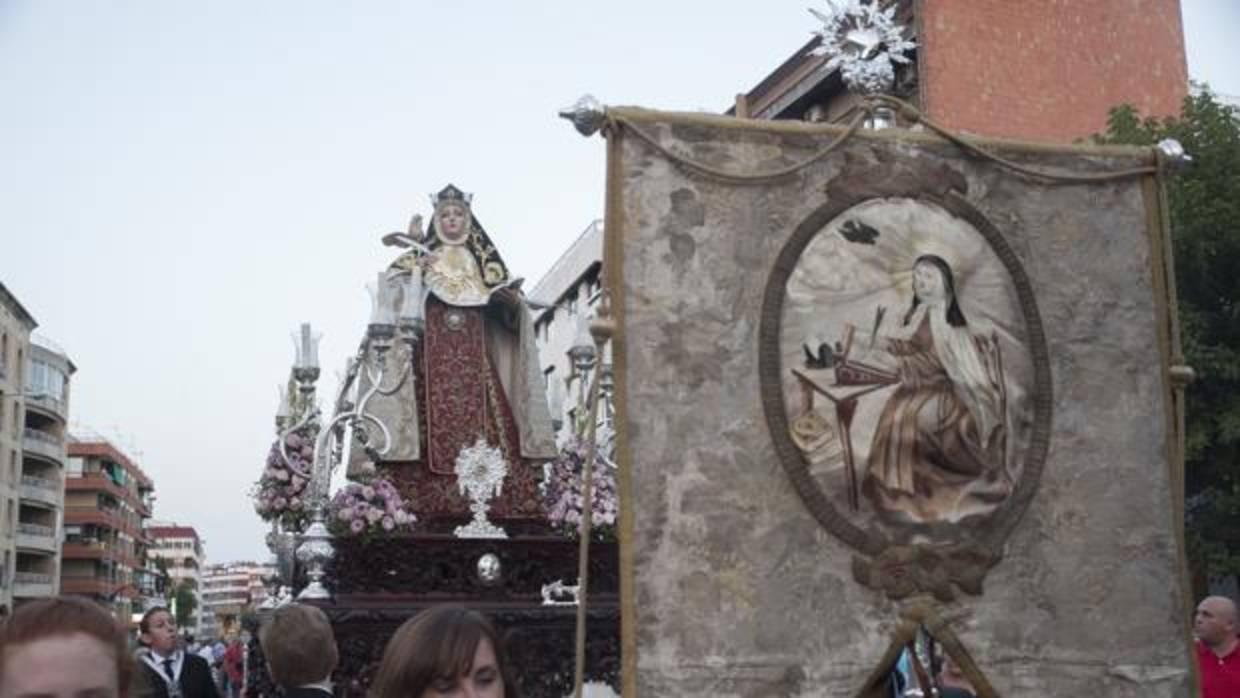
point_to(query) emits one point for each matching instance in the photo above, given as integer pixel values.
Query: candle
(382, 301)
(411, 301)
(307, 346)
(284, 410)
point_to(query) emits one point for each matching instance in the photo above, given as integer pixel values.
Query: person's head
(1215, 621)
(158, 631)
(299, 645)
(44, 637)
(935, 286)
(452, 217)
(443, 652)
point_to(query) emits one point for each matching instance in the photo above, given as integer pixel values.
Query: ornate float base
(381, 583)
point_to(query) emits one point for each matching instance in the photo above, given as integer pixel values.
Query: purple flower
(344, 514)
(357, 526)
(368, 492)
(388, 523)
(292, 441)
(280, 502)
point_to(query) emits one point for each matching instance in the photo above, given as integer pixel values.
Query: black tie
(168, 670)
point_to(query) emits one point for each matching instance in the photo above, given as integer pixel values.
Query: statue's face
(453, 224)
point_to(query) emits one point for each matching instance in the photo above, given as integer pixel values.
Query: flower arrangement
(368, 508)
(562, 492)
(281, 491)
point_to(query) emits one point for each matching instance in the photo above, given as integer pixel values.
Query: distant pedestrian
(64, 648)
(170, 671)
(234, 667)
(301, 651)
(445, 651)
(1218, 655)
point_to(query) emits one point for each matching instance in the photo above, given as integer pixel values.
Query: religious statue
(468, 372)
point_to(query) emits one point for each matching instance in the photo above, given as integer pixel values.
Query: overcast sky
(181, 183)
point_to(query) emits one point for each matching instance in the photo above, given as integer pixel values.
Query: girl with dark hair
(939, 446)
(445, 652)
(63, 648)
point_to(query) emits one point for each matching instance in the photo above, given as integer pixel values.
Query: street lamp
(582, 355)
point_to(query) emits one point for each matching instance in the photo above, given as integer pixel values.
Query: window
(4, 353)
(13, 466)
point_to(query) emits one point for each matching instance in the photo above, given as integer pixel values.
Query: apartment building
(564, 300)
(229, 590)
(107, 500)
(180, 552)
(16, 324)
(41, 488)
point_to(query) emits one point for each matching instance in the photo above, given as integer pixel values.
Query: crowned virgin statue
(466, 370)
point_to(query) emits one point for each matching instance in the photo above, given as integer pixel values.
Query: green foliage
(1205, 227)
(185, 603)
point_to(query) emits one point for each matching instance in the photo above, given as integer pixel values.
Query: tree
(1205, 229)
(186, 603)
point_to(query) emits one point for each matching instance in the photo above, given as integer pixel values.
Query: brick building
(1039, 71)
(107, 499)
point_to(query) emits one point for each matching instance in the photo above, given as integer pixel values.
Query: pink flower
(295, 504)
(344, 514)
(388, 523)
(368, 492)
(373, 515)
(280, 503)
(292, 441)
(282, 475)
(357, 526)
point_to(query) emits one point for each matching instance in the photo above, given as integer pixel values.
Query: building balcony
(32, 585)
(97, 550)
(37, 537)
(80, 516)
(40, 490)
(91, 586)
(98, 482)
(43, 445)
(46, 404)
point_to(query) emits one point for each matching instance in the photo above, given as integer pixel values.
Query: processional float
(442, 423)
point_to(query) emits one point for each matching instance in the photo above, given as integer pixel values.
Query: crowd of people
(66, 647)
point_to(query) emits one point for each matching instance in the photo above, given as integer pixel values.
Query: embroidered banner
(872, 388)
